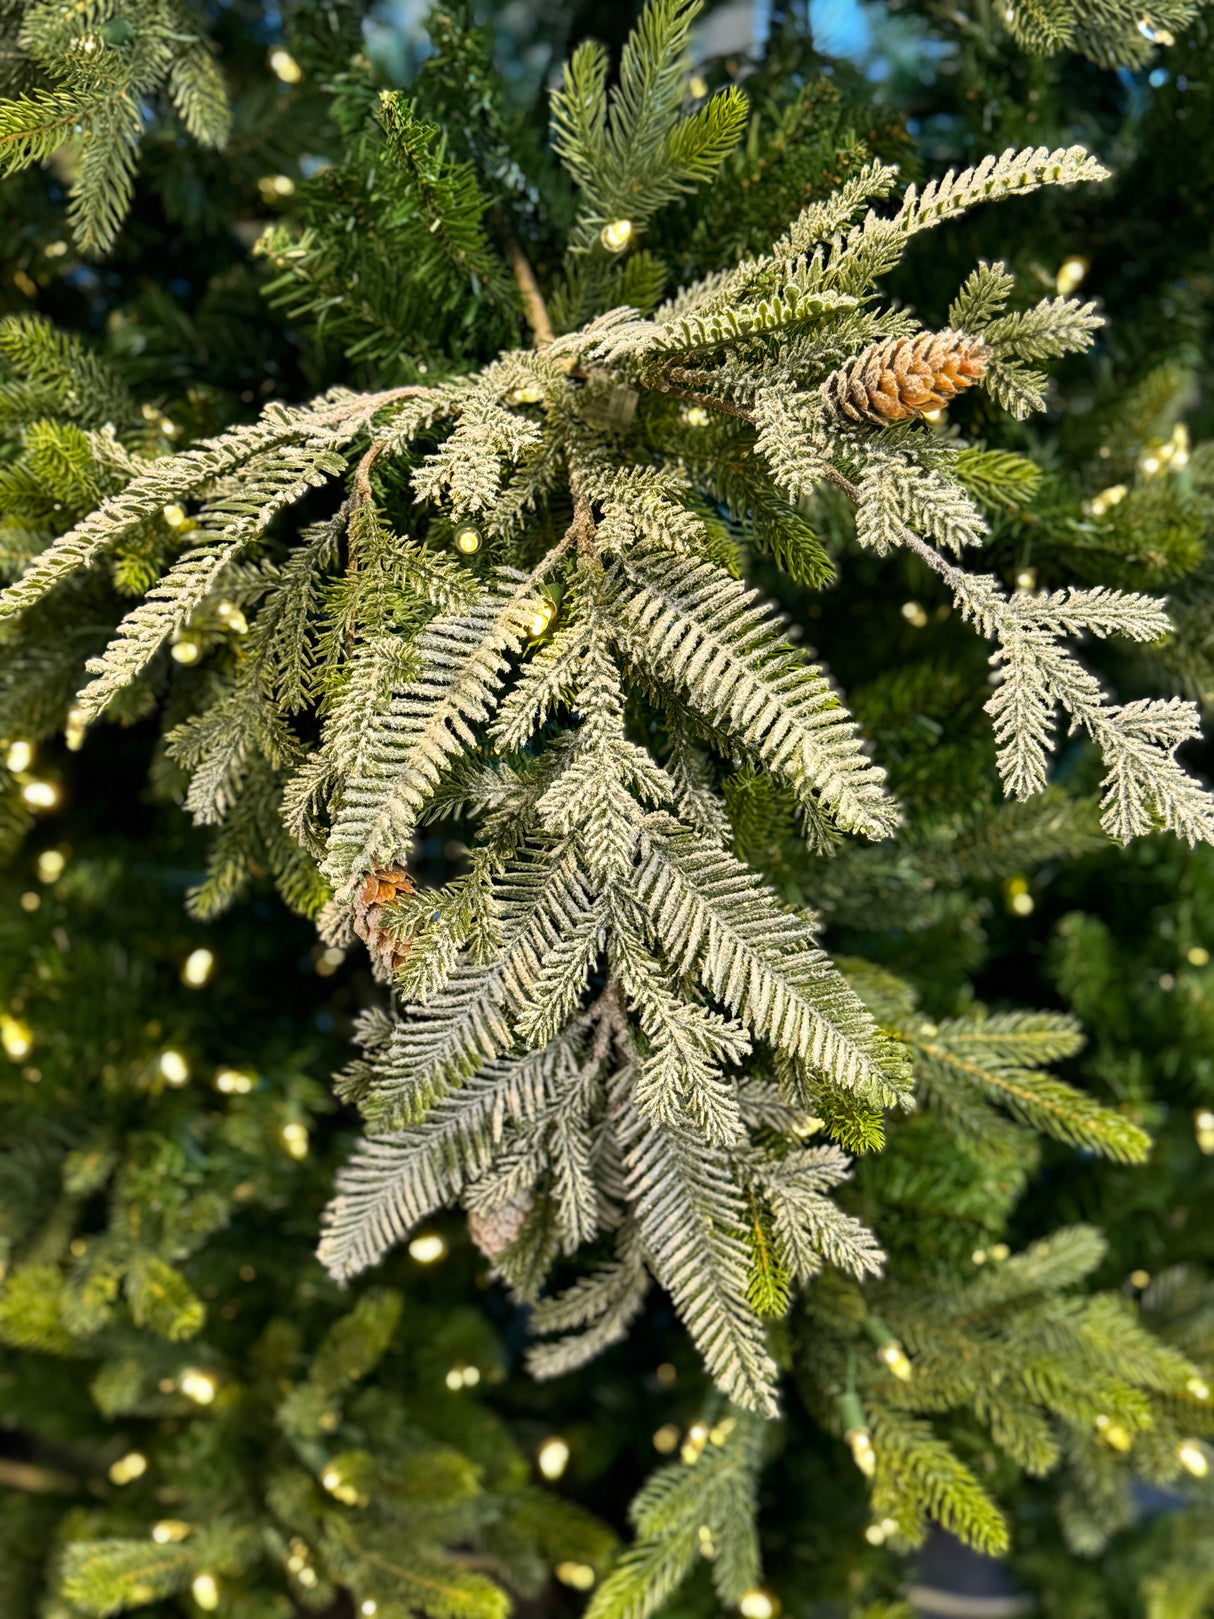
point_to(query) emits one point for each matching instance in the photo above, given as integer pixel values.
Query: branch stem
(534, 307)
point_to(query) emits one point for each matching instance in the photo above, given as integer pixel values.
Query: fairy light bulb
(1101, 503)
(889, 1351)
(856, 1434)
(174, 1067)
(616, 236)
(200, 1388)
(20, 756)
(527, 393)
(40, 794)
(1154, 33)
(169, 1531)
(234, 1082)
(427, 1249)
(895, 1358)
(553, 1458)
(541, 618)
(1113, 1433)
(1198, 1388)
(205, 1590)
(578, 1576)
(1192, 1457)
(468, 539)
(284, 66)
(756, 1604)
(128, 1468)
(295, 1139)
(50, 865)
(197, 968)
(15, 1037)
(185, 651)
(74, 730)
(1070, 274)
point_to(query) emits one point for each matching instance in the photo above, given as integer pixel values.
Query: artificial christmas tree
(588, 508)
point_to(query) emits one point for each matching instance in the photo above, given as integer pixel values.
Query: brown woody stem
(534, 307)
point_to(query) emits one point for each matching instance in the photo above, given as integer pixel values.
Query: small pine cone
(378, 889)
(906, 376)
(493, 1233)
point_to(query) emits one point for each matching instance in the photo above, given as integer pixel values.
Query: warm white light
(666, 1440)
(233, 618)
(527, 393)
(1199, 956)
(197, 969)
(1070, 275)
(128, 1467)
(40, 794)
(914, 614)
(284, 65)
(206, 1591)
(20, 756)
(15, 1037)
(697, 86)
(1021, 904)
(1155, 33)
(1099, 504)
(50, 865)
(860, 1443)
(174, 516)
(331, 1479)
(934, 416)
(578, 1575)
(368, 1607)
(541, 619)
(1204, 1120)
(1198, 1388)
(426, 1250)
(1193, 1458)
(616, 236)
(295, 1138)
(696, 416)
(553, 1458)
(233, 1082)
(185, 651)
(1026, 579)
(169, 1530)
(757, 1605)
(895, 1358)
(200, 1388)
(174, 1067)
(875, 1535)
(74, 730)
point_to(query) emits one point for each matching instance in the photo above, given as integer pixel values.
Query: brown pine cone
(906, 376)
(493, 1233)
(377, 890)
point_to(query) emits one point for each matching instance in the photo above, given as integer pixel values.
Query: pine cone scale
(379, 889)
(905, 377)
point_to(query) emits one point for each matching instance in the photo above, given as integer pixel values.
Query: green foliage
(83, 77)
(510, 598)
(291, 1443)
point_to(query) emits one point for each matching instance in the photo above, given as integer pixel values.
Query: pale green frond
(691, 1218)
(720, 643)
(713, 916)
